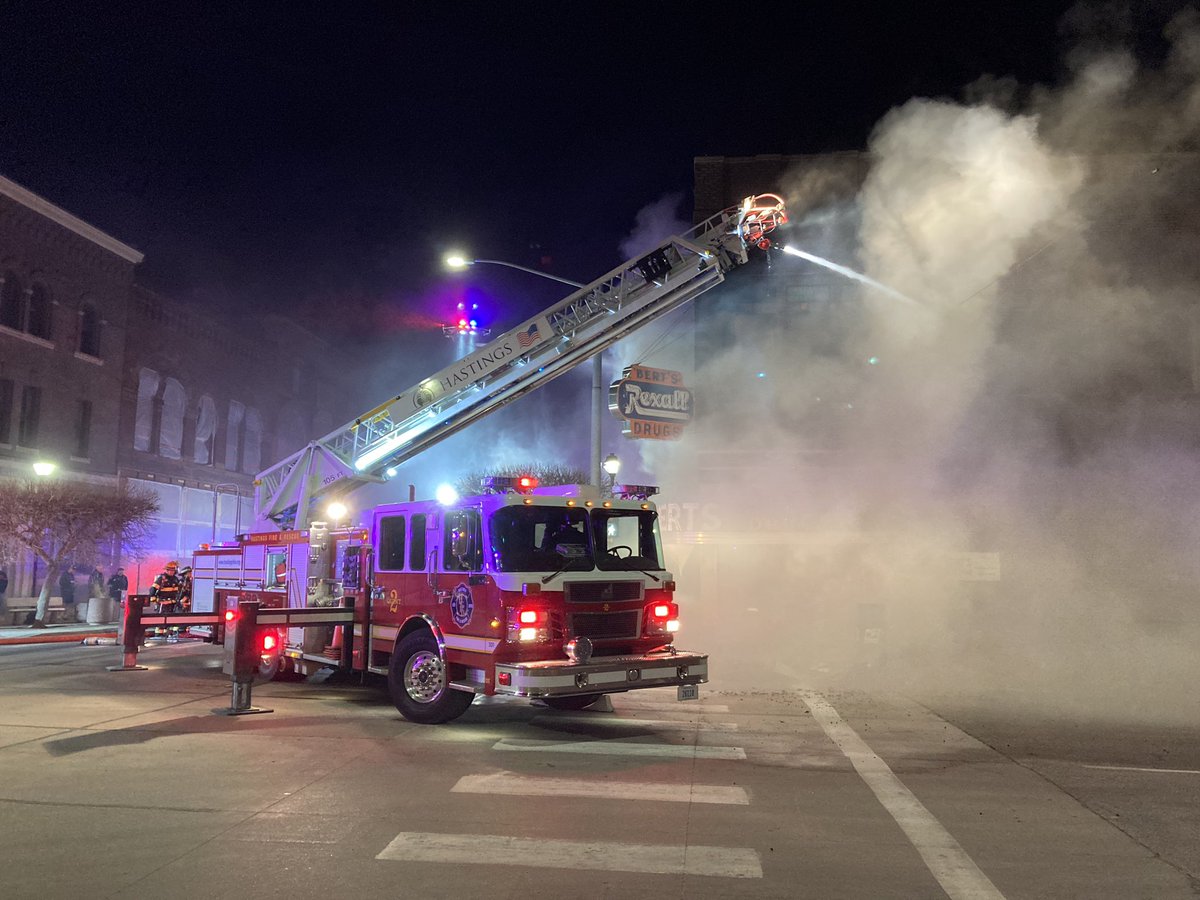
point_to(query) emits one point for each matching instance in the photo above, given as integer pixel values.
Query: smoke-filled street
(125, 785)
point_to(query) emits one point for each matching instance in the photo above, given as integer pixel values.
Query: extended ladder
(539, 349)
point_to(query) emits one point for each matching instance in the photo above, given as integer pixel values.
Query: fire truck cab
(549, 593)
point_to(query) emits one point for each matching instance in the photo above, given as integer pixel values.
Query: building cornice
(44, 207)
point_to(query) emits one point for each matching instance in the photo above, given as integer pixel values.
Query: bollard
(131, 635)
(245, 661)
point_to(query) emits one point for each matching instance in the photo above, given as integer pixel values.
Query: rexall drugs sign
(654, 403)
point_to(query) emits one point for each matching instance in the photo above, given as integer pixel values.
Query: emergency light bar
(502, 484)
(634, 491)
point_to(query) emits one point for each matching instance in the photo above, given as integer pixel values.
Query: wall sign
(654, 403)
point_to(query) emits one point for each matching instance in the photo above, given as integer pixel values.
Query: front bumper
(603, 675)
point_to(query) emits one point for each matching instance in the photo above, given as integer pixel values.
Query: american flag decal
(530, 337)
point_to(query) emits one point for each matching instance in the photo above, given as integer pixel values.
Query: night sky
(303, 157)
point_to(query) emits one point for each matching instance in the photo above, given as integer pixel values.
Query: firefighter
(166, 592)
(185, 589)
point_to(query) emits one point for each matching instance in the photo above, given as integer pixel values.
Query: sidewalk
(73, 632)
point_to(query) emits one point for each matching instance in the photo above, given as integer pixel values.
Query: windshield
(540, 539)
(626, 539)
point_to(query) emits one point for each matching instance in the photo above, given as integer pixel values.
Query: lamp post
(237, 514)
(612, 465)
(456, 261)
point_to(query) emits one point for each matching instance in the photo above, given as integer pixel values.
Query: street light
(458, 262)
(612, 465)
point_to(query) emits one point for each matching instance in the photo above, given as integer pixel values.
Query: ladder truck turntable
(553, 593)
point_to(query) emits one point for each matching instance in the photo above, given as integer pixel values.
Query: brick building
(112, 381)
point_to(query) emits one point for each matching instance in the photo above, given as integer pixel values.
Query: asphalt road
(126, 785)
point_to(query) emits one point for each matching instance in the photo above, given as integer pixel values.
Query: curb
(76, 638)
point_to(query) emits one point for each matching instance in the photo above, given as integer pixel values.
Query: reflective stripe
(477, 645)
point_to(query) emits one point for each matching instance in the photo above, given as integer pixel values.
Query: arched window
(170, 432)
(143, 427)
(252, 448)
(233, 435)
(38, 323)
(206, 430)
(12, 302)
(89, 330)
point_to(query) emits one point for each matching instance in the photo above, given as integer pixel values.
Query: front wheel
(420, 685)
(578, 701)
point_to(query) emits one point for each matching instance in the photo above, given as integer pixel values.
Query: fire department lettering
(462, 606)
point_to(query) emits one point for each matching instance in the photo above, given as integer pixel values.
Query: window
(233, 435)
(206, 429)
(31, 411)
(461, 541)
(83, 429)
(12, 302)
(38, 323)
(391, 544)
(416, 546)
(6, 409)
(626, 539)
(143, 426)
(540, 539)
(170, 429)
(252, 445)
(89, 330)
(277, 569)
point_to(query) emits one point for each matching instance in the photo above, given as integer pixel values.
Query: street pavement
(127, 785)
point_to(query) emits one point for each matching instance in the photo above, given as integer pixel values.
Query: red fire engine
(549, 593)
(553, 593)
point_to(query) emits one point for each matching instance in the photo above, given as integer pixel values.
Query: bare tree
(546, 473)
(56, 519)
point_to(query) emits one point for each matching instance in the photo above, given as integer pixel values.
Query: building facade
(113, 382)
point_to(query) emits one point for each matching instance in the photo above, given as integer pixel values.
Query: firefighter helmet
(172, 565)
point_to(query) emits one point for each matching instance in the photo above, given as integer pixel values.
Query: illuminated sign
(654, 403)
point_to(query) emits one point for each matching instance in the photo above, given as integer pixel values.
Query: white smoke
(1035, 412)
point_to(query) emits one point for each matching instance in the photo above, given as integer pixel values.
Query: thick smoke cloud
(992, 490)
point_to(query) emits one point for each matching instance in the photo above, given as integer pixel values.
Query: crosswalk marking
(523, 785)
(618, 748)
(954, 870)
(623, 722)
(503, 850)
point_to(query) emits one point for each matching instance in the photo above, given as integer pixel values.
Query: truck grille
(605, 626)
(601, 591)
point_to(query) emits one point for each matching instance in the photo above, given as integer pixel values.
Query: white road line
(1140, 769)
(617, 748)
(661, 724)
(956, 872)
(682, 706)
(526, 786)
(502, 850)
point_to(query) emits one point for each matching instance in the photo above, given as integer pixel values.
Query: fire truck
(557, 593)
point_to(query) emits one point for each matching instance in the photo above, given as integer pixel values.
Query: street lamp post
(598, 402)
(612, 465)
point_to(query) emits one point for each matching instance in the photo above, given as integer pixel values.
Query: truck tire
(267, 671)
(420, 685)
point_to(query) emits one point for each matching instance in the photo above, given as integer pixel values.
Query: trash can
(97, 610)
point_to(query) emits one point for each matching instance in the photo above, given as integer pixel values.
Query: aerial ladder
(568, 333)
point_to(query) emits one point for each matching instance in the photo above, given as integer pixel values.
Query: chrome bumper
(604, 675)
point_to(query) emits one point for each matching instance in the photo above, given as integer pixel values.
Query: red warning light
(230, 615)
(269, 642)
(526, 483)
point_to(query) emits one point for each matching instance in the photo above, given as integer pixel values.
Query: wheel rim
(424, 677)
